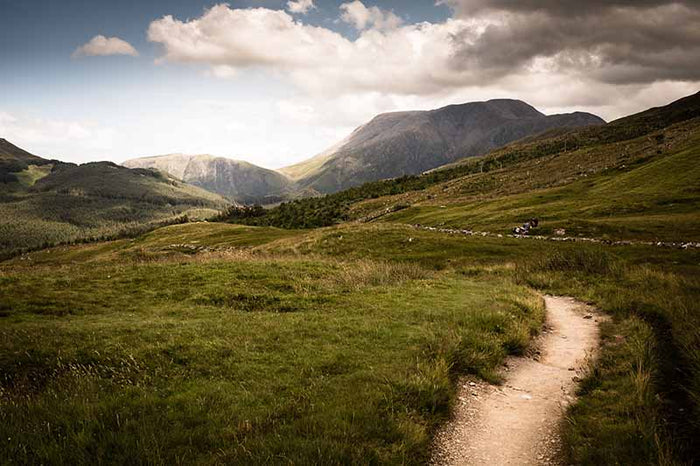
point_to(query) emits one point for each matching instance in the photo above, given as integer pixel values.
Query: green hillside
(49, 202)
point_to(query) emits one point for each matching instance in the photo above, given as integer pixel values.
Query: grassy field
(630, 190)
(244, 359)
(336, 345)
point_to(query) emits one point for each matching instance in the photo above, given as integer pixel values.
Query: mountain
(46, 202)
(234, 179)
(633, 178)
(407, 143)
(14, 160)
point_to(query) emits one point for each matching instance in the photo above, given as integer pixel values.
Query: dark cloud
(619, 42)
(555, 7)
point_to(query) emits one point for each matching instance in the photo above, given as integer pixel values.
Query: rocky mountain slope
(234, 179)
(407, 143)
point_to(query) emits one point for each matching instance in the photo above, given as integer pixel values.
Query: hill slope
(408, 143)
(234, 179)
(14, 160)
(51, 202)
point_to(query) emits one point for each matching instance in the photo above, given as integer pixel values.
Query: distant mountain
(45, 202)
(234, 179)
(9, 151)
(407, 143)
(14, 160)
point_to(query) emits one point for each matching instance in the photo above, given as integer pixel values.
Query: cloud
(300, 6)
(357, 14)
(618, 41)
(78, 141)
(102, 46)
(607, 42)
(407, 59)
(596, 57)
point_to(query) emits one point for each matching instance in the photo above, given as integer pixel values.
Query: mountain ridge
(411, 142)
(237, 180)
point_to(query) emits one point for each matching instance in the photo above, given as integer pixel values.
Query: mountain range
(388, 146)
(47, 201)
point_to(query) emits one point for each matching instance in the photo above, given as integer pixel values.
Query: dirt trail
(518, 423)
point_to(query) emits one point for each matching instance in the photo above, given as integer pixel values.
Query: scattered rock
(588, 316)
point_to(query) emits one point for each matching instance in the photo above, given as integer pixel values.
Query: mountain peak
(407, 143)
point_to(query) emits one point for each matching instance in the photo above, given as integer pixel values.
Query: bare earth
(518, 423)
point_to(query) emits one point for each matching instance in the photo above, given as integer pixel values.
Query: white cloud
(357, 14)
(434, 58)
(410, 59)
(309, 86)
(300, 6)
(102, 46)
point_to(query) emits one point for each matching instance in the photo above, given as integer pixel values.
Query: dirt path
(518, 422)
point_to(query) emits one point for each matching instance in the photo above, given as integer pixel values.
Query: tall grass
(255, 360)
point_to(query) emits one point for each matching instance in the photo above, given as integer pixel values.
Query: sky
(274, 82)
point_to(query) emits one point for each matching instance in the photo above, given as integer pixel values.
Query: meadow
(338, 345)
(243, 357)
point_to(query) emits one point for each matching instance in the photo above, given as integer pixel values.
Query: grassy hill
(49, 202)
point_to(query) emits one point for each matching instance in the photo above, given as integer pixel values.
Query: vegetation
(99, 201)
(257, 339)
(265, 358)
(622, 191)
(639, 403)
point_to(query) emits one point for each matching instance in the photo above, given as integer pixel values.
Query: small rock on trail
(518, 423)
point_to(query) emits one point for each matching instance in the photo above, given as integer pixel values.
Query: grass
(251, 345)
(255, 360)
(214, 343)
(32, 174)
(639, 403)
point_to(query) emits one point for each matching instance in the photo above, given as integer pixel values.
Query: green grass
(247, 361)
(639, 403)
(650, 199)
(32, 174)
(64, 203)
(337, 345)
(213, 343)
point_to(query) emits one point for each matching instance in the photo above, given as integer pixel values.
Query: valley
(341, 329)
